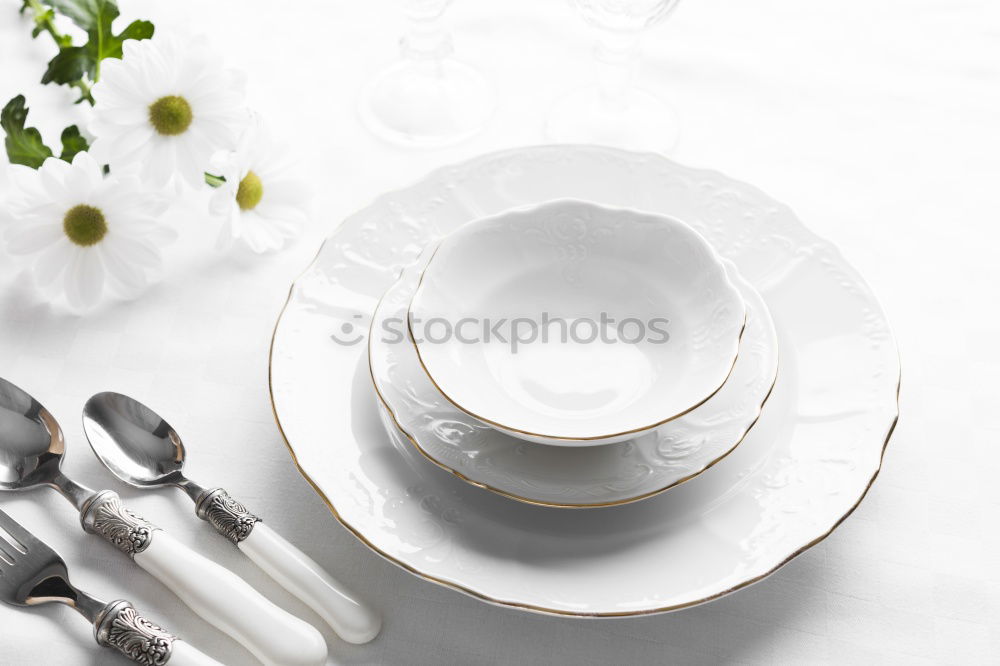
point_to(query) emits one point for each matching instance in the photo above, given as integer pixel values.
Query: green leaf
(213, 180)
(137, 29)
(95, 17)
(72, 143)
(24, 144)
(68, 66)
(86, 14)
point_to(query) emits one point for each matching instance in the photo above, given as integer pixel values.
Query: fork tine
(7, 549)
(30, 571)
(14, 537)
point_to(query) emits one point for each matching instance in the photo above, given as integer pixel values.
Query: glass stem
(426, 39)
(617, 55)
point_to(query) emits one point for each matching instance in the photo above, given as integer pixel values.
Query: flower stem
(84, 89)
(44, 23)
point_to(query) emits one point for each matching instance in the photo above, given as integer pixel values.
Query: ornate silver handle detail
(229, 518)
(105, 514)
(121, 627)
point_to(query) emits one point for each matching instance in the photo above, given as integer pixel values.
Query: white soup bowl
(574, 324)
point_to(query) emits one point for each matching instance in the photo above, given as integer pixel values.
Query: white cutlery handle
(226, 601)
(218, 595)
(120, 627)
(353, 620)
(185, 655)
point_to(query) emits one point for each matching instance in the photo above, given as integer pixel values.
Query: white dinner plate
(574, 324)
(569, 477)
(801, 471)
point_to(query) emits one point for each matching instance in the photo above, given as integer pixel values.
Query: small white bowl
(574, 324)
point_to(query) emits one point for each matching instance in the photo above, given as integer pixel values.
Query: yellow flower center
(170, 115)
(250, 191)
(85, 225)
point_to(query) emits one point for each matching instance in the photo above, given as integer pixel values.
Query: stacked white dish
(757, 464)
(619, 321)
(684, 378)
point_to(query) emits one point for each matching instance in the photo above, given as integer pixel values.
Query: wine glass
(614, 111)
(426, 98)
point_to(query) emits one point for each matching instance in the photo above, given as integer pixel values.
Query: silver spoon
(142, 449)
(31, 452)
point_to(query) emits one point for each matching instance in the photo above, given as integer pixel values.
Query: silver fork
(31, 573)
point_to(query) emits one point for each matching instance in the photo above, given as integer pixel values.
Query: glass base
(642, 121)
(427, 102)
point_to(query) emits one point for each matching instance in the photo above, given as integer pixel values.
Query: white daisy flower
(261, 203)
(84, 234)
(165, 108)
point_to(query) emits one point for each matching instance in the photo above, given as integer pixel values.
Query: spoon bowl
(31, 442)
(155, 453)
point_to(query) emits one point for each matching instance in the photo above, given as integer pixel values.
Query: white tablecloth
(878, 121)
